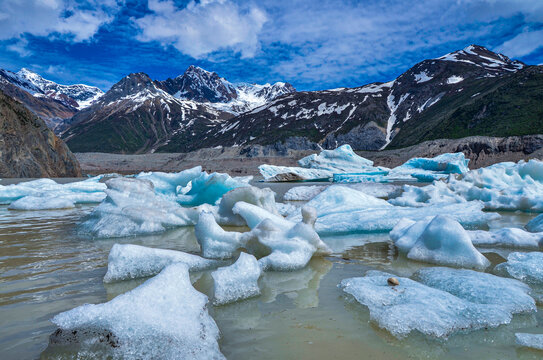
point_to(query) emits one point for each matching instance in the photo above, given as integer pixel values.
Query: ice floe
(41, 203)
(507, 237)
(263, 198)
(342, 210)
(535, 225)
(79, 192)
(279, 244)
(306, 193)
(170, 183)
(322, 166)
(127, 261)
(164, 318)
(473, 302)
(534, 341)
(439, 240)
(133, 207)
(502, 186)
(209, 188)
(238, 281)
(526, 267)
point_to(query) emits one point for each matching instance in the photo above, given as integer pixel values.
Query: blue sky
(313, 44)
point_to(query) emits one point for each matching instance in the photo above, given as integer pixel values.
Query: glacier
(145, 322)
(238, 281)
(439, 240)
(465, 301)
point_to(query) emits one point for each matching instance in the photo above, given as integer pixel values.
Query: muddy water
(47, 268)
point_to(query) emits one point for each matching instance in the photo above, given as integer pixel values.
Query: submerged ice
(444, 302)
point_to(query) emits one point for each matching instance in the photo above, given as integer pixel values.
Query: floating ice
(536, 224)
(170, 183)
(384, 219)
(438, 240)
(413, 306)
(507, 237)
(53, 195)
(41, 203)
(341, 199)
(502, 186)
(480, 288)
(534, 341)
(448, 163)
(215, 242)
(134, 261)
(306, 193)
(164, 318)
(263, 198)
(321, 166)
(303, 193)
(527, 267)
(132, 207)
(280, 244)
(238, 281)
(209, 188)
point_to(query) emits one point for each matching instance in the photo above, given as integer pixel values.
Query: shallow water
(47, 268)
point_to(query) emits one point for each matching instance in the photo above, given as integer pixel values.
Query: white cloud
(203, 27)
(20, 47)
(79, 21)
(523, 44)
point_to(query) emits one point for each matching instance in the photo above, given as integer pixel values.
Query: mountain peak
(483, 57)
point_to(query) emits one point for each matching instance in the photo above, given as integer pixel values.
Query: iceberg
(209, 188)
(448, 163)
(526, 267)
(52, 194)
(306, 193)
(164, 318)
(41, 203)
(507, 237)
(536, 224)
(439, 240)
(502, 186)
(534, 341)
(384, 219)
(279, 244)
(238, 281)
(322, 166)
(414, 306)
(263, 198)
(133, 261)
(132, 207)
(170, 183)
(215, 242)
(480, 288)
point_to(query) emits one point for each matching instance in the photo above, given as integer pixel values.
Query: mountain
(207, 87)
(47, 99)
(472, 91)
(28, 148)
(402, 112)
(137, 115)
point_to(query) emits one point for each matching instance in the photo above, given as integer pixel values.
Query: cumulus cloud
(523, 44)
(203, 27)
(77, 20)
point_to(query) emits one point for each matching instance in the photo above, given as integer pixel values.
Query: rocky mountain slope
(137, 115)
(28, 148)
(140, 115)
(382, 115)
(473, 91)
(50, 101)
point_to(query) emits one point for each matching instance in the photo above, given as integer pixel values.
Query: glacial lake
(46, 267)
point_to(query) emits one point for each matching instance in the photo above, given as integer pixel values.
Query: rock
(28, 148)
(392, 281)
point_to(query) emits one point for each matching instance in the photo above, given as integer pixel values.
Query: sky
(313, 44)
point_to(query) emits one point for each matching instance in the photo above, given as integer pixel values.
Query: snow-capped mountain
(79, 96)
(371, 117)
(137, 115)
(207, 87)
(467, 92)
